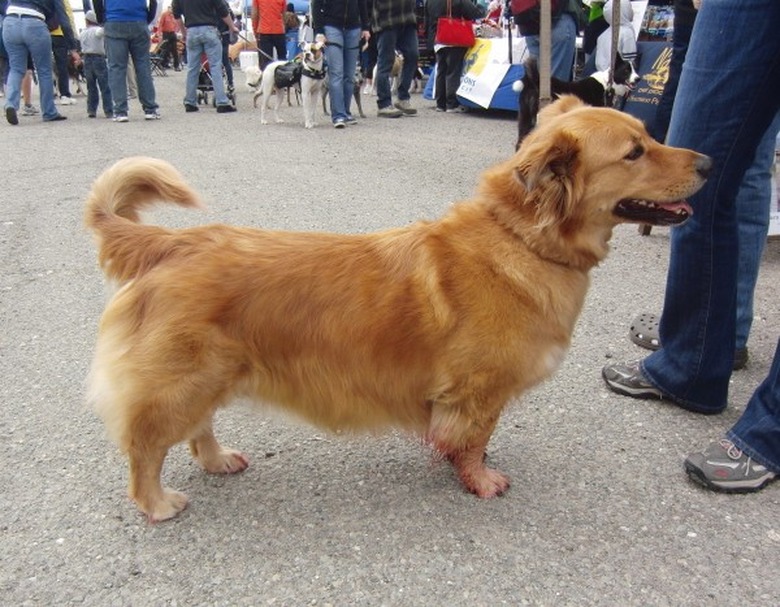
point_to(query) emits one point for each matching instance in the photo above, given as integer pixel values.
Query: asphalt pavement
(600, 511)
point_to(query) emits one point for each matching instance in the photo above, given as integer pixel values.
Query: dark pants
(60, 49)
(96, 75)
(267, 44)
(449, 65)
(170, 47)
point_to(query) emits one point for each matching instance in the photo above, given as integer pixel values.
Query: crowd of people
(714, 257)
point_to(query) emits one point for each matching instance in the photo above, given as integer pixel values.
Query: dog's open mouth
(654, 213)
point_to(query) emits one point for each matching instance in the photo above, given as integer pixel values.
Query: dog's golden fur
(432, 328)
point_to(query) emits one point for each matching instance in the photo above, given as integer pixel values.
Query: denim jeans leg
(334, 56)
(753, 200)
(93, 96)
(194, 51)
(39, 44)
(757, 432)
(13, 39)
(60, 50)
(563, 46)
(408, 45)
(101, 74)
(139, 43)
(351, 55)
(385, 56)
(117, 52)
(213, 48)
(698, 322)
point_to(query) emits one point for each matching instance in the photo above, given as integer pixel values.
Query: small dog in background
(281, 75)
(591, 90)
(395, 74)
(355, 92)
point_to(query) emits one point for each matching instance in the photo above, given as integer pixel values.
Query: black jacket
(343, 14)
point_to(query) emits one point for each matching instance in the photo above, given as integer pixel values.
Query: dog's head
(624, 76)
(584, 170)
(253, 76)
(313, 51)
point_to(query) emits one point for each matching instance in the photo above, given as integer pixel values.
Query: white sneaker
(152, 115)
(30, 110)
(121, 118)
(67, 101)
(406, 107)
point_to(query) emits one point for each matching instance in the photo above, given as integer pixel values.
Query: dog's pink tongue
(676, 206)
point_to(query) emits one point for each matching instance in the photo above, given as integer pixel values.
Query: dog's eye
(635, 153)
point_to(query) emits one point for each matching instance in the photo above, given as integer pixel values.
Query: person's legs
(195, 47)
(697, 326)
(139, 44)
(212, 45)
(757, 432)
(265, 50)
(101, 76)
(563, 47)
(682, 37)
(90, 75)
(753, 198)
(408, 46)
(351, 54)
(455, 57)
(117, 52)
(16, 49)
(385, 48)
(280, 44)
(441, 78)
(60, 49)
(334, 56)
(225, 41)
(38, 42)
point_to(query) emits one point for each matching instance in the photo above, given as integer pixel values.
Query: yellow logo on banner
(659, 74)
(477, 57)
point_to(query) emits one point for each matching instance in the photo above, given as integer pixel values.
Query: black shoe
(190, 108)
(56, 118)
(225, 109)
(10, 116)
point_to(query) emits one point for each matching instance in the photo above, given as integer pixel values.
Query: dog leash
(609, 90)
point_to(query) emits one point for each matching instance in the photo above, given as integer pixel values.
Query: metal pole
(545, 52)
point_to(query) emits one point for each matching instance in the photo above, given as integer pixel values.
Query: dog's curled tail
(127, 248)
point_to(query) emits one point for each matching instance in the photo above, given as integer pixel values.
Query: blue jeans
(753, 199)
(341, 54)
(698, 324)
(204, 39)
(757, 431)
(404, 39)
(563, 43)
(96, 75)
(123, 39)
(20, 36)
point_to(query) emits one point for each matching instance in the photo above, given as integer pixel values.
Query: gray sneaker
(30, 110)
(405, 106)
(389, 112)
(627, 379)
(722, 466)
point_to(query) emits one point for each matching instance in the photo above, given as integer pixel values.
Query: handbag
(454, 31)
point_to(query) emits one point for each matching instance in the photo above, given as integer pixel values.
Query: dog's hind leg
(214, 458)
(461, 433)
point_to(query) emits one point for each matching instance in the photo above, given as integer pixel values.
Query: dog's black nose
(704, 166)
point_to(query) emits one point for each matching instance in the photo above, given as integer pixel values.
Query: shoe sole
(697, 476)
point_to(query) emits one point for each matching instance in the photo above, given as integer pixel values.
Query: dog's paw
(169, 505)
(226, 461)
(487, 483)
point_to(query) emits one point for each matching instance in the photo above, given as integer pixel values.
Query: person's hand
(75, 57)
(365, 35)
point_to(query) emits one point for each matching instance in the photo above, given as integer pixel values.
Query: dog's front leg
(309, 103)
(277, 105)
(462, 439)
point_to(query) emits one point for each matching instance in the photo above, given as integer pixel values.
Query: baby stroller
(206, 84)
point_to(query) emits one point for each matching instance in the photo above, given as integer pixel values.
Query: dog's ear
(548, 169)
(564, 104)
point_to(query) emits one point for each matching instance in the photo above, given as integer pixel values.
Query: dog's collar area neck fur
(312, 73)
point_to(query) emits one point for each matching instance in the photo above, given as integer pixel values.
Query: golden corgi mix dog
(432, 328)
